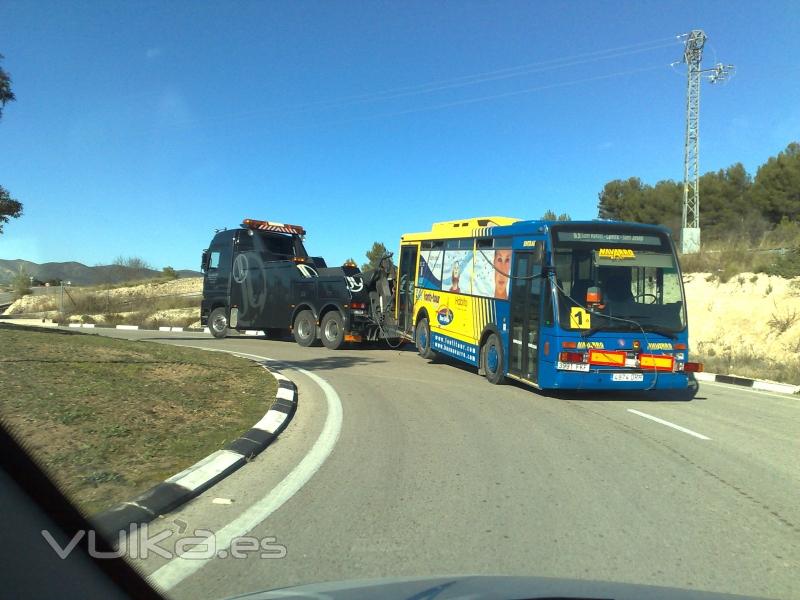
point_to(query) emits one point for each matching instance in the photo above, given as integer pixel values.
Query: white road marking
(669, 424)
(179, 568)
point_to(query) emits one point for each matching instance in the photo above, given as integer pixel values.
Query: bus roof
(498, 226)
(471, 227)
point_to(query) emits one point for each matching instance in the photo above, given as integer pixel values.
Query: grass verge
(110, 418)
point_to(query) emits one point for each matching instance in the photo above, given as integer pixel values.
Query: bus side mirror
(204, 261)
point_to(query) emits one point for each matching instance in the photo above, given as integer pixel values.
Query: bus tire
(332, 330)
(218, 322)
(423, 339)
(493, 360)
(305, 328)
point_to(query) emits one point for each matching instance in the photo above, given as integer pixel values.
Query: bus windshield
(618, 280)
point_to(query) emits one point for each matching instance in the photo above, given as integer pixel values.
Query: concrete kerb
(756, 384)
(191, 482)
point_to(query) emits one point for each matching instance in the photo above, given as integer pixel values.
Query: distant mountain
(80, 274)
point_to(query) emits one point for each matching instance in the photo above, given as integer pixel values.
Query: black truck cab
(260, 277)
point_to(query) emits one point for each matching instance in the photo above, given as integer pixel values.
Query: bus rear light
(679, 346)
(693, 367)
(659, 362)
(609, 358)
(359, 305)
(569, 344)
(547, 348)
(576, 357)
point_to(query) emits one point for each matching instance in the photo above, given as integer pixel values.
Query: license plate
(565, 366)
(627, 377)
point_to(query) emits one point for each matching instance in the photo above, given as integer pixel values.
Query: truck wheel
(305, 328)
(423, 339)
(218, 322)
(492, 356)
(332, 330)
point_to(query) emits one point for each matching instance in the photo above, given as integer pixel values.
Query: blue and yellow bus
(555, 304)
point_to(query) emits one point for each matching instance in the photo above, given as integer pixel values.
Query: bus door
(526, 295)
(406, 279)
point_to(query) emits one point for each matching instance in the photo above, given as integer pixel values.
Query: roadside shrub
(112, 318)
(21, 284)
(786, 265)
(784, 322)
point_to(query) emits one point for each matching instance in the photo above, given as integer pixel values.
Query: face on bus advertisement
(502, 267)
(491, 271)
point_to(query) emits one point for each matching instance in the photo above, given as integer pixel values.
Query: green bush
(786, 265)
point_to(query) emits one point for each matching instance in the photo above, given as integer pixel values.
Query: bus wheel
(305, 328)
(332, 330)
(492, 355)
(423, 339)
(218, 322)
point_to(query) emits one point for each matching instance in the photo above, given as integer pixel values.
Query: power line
(495, 75)
(512, 93)
(457, 82)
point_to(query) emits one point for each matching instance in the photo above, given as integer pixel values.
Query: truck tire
(423, 339)
(218, 322)
(493, 360)
(332, 330)
(305, 328)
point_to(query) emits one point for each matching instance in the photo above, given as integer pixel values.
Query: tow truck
(260, 277)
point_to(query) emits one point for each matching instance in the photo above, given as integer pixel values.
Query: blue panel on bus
(455, 348)
(502, 310)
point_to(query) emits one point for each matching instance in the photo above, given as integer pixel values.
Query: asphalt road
(431, 470)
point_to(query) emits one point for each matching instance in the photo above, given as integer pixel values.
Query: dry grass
(749, 365)
(110, 418)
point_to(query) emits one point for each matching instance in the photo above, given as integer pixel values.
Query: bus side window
(213, 260)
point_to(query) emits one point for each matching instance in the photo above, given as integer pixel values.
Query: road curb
(190, 483)
(161, 328)
(756, 384)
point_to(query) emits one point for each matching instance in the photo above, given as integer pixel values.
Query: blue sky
(140, 127)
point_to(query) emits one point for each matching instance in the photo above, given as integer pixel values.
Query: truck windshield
(272, 246)
(633, 278)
